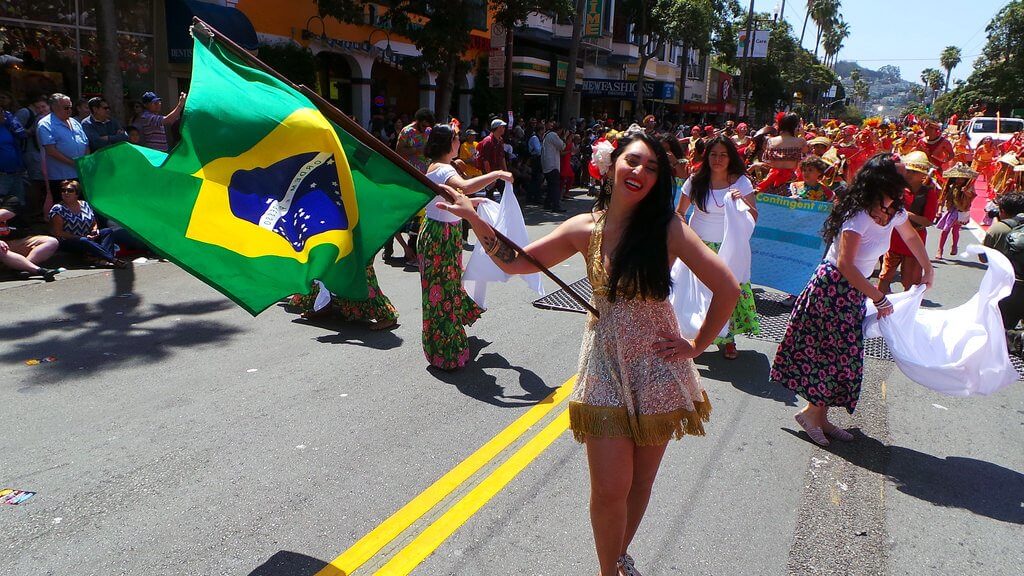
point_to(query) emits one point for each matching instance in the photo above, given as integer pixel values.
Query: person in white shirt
(447, 309)
(821, 358)
(551, 164)
(719, 180)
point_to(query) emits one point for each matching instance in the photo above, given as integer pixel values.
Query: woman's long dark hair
(700, 183)
(877, 179)
(439, 142)
(639, 264)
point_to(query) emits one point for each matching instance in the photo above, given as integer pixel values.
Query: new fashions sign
(601, 88)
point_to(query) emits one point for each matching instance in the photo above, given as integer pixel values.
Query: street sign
(496, 68)
(760, 45)
(593, 19)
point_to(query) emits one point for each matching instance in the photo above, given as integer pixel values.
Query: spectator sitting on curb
(20, 251)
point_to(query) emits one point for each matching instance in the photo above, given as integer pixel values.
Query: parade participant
(936, 146)
(921, 203)
(961, 149)
(819, 145)
(985, 161)
(637, 387)
(906, 144)
(821, 357)
(811, 188)
(849, 148)
(376, 309)
(680, 170)
(1002, 180)
(719, 179)
(410, 143)
(783, 154)
(447, 309)
(742, 138)
(955, 205)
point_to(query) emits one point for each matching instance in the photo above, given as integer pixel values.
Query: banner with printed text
(787, 246)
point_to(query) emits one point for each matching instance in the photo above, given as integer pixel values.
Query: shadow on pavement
(473, 381)
(748, 373)
(286, 563)
(354, 333)
(980, 487)
(88, 338)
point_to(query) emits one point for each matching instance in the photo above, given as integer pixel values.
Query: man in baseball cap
(152, 124)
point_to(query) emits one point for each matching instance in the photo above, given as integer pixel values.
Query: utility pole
(508, 67)
(744, 70)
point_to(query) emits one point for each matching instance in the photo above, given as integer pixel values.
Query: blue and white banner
(787, 246)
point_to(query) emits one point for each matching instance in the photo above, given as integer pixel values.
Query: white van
(1000, 129)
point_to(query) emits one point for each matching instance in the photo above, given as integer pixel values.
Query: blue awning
(229, 21)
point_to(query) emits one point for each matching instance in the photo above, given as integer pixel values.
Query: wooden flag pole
(368, 140)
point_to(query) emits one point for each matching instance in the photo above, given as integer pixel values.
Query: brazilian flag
(262, 195)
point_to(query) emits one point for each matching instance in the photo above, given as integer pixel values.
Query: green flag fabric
(262, 195)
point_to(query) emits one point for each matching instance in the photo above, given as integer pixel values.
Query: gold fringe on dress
(647, 430)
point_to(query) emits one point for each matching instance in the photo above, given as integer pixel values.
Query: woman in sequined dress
(637, 387)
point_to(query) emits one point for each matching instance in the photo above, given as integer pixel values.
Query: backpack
(1015, 243)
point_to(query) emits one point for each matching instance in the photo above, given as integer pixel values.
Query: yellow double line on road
(406, 559)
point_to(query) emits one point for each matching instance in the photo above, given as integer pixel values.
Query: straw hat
(918, 162)
(1009, 158)
(961, 170)
(820, 140)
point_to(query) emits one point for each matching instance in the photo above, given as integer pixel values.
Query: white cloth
(440, 175)
(957, 352)
(709, 223)
(506, 218)
(690, 298)
(874, 239)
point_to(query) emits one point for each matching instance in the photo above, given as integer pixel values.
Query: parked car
(1000, 129)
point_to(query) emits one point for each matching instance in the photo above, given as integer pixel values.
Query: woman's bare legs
(646, 461)
(611, 477)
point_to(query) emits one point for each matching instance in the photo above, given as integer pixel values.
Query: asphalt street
(175, 434)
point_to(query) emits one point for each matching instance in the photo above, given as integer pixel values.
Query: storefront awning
(230, 21)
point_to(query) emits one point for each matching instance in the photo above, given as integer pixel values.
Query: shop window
(135, 53)
(698, 63)
(48, 55)
(52, 11)
(132, 15)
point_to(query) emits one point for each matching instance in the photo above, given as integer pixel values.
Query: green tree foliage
(997, 82)
(293, 61)
(890, 72)
(787, 69)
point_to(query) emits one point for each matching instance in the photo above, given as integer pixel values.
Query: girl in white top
(446, 307)
(720, 179)
(822, 355)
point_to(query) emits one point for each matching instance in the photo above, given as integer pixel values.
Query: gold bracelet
(494, 249)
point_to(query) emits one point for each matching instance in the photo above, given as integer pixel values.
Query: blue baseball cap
(149, 97)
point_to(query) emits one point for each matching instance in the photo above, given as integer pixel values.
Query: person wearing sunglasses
(100, 127)
(63, 141)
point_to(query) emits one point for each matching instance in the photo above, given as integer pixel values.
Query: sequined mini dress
(623, 388)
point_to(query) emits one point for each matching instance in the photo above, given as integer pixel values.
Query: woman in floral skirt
(447, 309)
(822, 355)
(719, 179)
(377, 309)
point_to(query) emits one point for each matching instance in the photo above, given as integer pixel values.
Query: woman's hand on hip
(672, 348)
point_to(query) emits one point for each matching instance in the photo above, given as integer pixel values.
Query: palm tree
(949, 59)
(833, 40)
(807, 16)
(932, 78)
(824, 15)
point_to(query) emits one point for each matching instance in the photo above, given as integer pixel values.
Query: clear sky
(906, 33)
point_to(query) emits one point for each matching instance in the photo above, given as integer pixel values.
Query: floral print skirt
(376, 308)
(447, 309)
(744, 316)
(822, 355)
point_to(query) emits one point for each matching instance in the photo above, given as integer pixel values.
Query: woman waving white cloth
(690, 298)
(957, 352)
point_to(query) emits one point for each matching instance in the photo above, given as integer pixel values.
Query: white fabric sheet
(957, 352)
(690, 297)
(506, 218)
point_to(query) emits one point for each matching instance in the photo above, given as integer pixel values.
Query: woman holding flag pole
(637, 387)
(447, 309)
